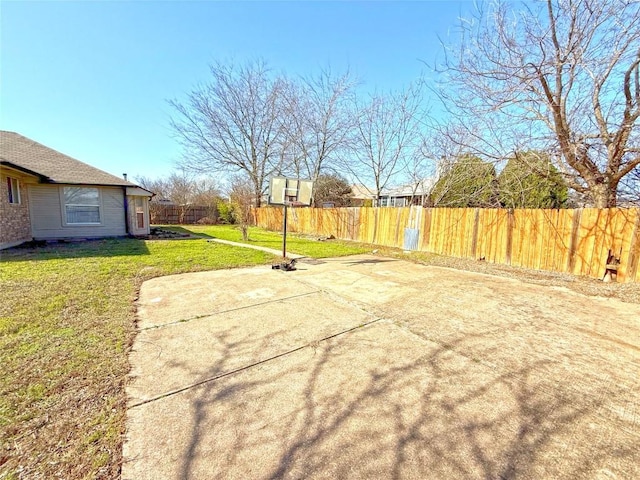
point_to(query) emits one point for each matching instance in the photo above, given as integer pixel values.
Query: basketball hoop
(289, 192)
(285, 191)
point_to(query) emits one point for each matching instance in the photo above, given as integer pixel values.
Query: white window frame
(13, 191)
(63, 203)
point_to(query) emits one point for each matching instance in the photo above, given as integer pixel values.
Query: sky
(92, 79)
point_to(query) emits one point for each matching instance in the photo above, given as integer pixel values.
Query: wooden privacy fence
(181, 214)
(574, 241)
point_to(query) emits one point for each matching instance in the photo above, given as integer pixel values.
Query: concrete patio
(369, 367)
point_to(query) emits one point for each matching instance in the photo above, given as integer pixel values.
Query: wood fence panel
(470, 216)
(382, 230)
(425, 228)
(386, 227)
(625, 226)
(561, 240)
(161, 214)
(634, 251)
(587, 232)
(530, 239)
(483, 241)
(452, 239)
(575, 241)
(437, 234)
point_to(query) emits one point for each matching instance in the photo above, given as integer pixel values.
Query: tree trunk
(257, 190)
(603, 195)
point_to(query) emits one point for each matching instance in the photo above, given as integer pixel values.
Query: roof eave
(41, 177)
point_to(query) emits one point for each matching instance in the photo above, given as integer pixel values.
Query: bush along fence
(161, 214)
(597, 243)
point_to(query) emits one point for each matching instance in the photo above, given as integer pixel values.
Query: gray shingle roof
(54, 166)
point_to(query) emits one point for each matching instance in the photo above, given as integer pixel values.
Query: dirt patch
(627, 292)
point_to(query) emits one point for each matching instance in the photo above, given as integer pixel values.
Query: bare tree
(629, 189)
(233, 123)
(240, 198)
(559, 76)
(183, 188)
(419, 171)
(320, 121)
(387, 133)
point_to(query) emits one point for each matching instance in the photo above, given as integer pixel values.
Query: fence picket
(575, 241)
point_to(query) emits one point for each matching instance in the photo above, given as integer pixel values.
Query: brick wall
(15, 224)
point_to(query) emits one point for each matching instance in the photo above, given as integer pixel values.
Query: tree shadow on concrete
(380, 402)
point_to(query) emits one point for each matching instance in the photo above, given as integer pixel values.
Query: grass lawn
(67, 320)
(295, 243)
(66, 324)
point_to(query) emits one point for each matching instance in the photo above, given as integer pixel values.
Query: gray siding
(46, 214)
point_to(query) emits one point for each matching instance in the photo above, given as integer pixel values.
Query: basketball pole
(284, 232)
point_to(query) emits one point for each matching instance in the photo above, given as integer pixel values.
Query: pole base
(287, 264)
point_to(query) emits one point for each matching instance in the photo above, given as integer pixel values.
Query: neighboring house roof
(421, 187)
(361, 192)
(50, 165)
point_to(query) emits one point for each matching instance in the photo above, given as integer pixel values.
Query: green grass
(295, 243)
(67, 321)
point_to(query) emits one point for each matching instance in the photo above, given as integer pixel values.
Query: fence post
(510, 224)
(573, 245)
(426, 235)
(474, 239)
(634, 251)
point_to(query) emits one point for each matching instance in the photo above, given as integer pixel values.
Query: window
(139, 212)
(14, 190)
(82, 205)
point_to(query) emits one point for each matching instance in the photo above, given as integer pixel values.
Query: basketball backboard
(290, 191)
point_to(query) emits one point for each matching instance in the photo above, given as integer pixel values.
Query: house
(415, 193)
(405, 195)
(362, 196)
(46, 195)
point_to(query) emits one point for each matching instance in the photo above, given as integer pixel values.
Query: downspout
(126, 208)
(126, 211)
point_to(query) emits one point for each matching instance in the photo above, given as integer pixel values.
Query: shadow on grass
(112, 247)
(369, 261)
(179, 229)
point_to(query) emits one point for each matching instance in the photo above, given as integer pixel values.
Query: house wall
(15, 224)
(133, 220)
(47, 214)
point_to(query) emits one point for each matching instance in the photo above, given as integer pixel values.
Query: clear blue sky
(91, 79)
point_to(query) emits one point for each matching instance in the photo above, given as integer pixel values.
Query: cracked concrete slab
(167, 359)
(180, 297)
(365, 367)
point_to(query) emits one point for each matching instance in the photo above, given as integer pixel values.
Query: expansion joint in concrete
(312, 344)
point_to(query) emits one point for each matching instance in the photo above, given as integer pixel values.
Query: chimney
(124, 175)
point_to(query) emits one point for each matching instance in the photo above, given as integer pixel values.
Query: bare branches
(232, 122)
(246, 120)
(387, 135)
(321, 120)
(559, 77)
